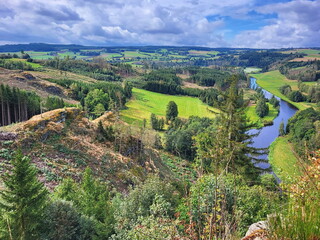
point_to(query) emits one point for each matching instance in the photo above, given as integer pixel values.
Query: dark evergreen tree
(95, 202)
(172, 111)
(17, 105)
(23, 200)
(226, 147)
(262, 108)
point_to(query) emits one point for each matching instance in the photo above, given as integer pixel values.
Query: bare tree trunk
(8, 112)
(15, 113)
(2, 112)
(25, 111)
(19, 109)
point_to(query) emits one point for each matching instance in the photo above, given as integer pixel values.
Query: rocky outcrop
(41, 121)
(257, 231)
(49, 123)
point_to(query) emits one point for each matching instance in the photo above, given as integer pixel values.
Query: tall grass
(300, 222)
(301, 218)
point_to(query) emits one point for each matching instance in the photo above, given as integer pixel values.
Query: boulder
(257, 231)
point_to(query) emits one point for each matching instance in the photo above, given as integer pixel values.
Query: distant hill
(73, 47)
(40, 47)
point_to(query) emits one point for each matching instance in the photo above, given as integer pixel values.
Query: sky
(210, 23)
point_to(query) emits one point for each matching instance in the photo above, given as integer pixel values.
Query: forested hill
(57, 47)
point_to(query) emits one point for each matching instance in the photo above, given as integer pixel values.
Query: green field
(283, 160)
(145, 102)
(252, 115)
(39, 55)
(272, 81)
(110, 55)
(311, 52)
(202, 53)
(134, 54)
(252, 70)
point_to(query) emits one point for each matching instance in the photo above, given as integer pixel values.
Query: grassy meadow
(273, 80)
(252, 70)
(283, 160)
(252, 115)
(144, 103)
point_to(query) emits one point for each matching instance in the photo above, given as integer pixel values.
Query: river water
(268, 134)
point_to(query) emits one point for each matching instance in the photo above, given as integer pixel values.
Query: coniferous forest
(17, 105)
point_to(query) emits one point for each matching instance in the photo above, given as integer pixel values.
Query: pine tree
(172, 111)
(227, 147)
(23, 199)
(262, 108)
(95, 202)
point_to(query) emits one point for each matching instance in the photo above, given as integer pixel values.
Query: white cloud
(155, 22)
(297, 24)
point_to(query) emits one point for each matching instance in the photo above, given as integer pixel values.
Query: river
(269, 133)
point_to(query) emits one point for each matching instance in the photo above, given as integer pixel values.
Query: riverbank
(265, 121)
(273, 80)
(283, 159)
(268, 134)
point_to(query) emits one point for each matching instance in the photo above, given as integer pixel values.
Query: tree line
(15, 64)
(100, 71)
(97, 97)
(307, 71)
(162, 81)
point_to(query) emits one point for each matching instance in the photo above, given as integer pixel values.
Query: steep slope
(62, 143)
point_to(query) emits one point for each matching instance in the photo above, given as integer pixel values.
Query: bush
(285, 89)
(63, 222)
(296, 96)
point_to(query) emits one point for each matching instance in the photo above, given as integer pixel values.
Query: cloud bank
(229, 23)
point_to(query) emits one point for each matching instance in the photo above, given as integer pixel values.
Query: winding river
(269, 133)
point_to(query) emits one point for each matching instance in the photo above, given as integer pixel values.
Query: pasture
(144, 103)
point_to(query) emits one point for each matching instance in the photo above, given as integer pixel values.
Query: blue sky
(212, 23)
